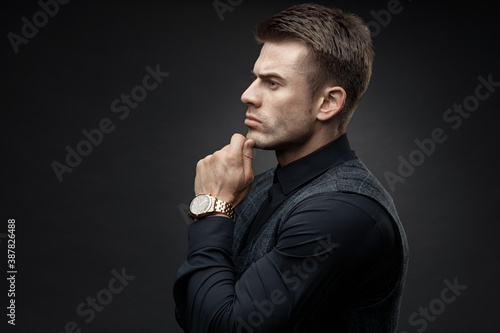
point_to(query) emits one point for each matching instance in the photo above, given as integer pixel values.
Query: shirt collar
(303, 170)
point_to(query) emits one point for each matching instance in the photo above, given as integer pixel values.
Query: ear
(332, 101)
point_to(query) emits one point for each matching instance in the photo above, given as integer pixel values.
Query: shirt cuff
(212, 231)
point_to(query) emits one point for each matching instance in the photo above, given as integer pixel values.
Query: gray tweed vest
(351, 176)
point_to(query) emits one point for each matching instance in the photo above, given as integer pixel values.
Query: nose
(250, 97)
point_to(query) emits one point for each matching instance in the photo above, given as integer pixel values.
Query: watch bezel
(207, 210)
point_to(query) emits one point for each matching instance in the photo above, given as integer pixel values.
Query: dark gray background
(123, 206)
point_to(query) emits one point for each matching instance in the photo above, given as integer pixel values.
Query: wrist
(204, 205)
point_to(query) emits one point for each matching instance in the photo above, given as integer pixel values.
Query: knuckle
(230, 157)
(199, 164)
(216, 156)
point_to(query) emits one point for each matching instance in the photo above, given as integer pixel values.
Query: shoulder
(343, 205)
(348, 217)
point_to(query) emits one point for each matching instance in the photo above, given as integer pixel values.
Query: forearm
(205, 285)
(207, 295)
(209, 261)
(209, 299)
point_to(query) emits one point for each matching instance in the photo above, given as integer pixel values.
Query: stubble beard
(266, 139)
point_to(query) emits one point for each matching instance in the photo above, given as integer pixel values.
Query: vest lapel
(246, 211)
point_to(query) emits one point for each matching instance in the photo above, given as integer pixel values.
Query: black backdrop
(120, 211)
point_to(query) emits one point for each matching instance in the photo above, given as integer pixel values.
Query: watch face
(200, 204)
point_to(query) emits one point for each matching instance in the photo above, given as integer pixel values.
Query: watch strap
(224, 208)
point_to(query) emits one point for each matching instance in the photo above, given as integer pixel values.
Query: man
(316, 244)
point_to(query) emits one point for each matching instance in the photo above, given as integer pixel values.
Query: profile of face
(280, 114)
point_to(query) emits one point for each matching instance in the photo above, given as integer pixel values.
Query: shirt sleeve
(317, 245)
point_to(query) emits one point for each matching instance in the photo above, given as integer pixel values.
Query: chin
(261, 141)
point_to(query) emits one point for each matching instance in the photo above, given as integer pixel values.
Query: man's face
(279, 100)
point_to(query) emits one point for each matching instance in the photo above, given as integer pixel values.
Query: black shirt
(288, 179)
(335, 252)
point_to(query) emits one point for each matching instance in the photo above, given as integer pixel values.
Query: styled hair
(340, 49)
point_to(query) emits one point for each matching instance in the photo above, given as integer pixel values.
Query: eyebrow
(270, 75)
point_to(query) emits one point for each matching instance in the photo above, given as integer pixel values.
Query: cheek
(289, 104)
(297, 112)
(286, 109)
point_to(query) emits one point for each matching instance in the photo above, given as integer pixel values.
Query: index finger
(236, 144)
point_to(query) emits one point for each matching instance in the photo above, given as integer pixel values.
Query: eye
(272, 84)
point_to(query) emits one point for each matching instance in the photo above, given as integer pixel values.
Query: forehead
(288, 58)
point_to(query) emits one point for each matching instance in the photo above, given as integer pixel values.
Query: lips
(251, 121)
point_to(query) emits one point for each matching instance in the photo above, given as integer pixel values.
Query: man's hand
(227, 174)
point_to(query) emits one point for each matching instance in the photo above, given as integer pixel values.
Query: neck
(295, 152)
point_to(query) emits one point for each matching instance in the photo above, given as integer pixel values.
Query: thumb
(248, 153)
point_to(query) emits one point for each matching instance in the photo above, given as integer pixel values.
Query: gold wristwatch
(204, 204)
